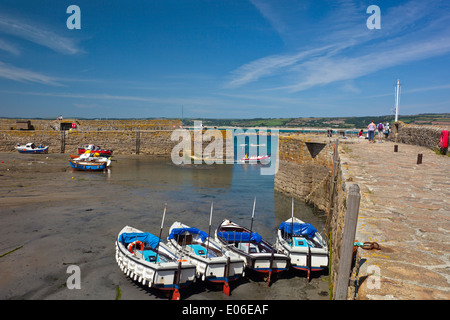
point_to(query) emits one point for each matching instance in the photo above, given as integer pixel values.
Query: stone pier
(405, 208)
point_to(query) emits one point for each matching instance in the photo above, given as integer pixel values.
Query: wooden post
(395, 148)
(348, 239)
(63, 141)
(138, 140)
(419, 158)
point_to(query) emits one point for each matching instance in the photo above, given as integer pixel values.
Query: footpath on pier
(405, 209)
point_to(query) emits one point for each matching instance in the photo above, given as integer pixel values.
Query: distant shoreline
(287, 123)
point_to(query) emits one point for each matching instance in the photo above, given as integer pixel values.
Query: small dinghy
(213, 264)
(31, 148)
(142, 257)
(87, 162)
(305, 246)
(259, 254)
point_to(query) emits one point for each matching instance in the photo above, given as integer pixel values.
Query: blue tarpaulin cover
(300, 229)
(240, 236)
(177, 231)
(145, 237)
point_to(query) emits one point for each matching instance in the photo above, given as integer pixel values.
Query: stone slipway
(405, 208)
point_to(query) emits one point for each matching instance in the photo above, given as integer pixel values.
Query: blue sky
(223, 59)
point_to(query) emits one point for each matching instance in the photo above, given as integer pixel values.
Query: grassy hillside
(345, 122)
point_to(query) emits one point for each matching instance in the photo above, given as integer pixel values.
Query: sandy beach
(52, 217)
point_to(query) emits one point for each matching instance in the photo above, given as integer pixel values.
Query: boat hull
(86, 166)
(95, 149)
(36, 150)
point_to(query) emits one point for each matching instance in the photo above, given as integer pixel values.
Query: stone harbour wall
(149, 137)
(425, 136)
(318, 180)
(152, 137)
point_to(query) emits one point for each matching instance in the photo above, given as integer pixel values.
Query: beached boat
(92, 148)
(90, 164)
(144, 258)
(212, 262)
(259, 254)
(256, 159)
(305, 246)
(31, 148)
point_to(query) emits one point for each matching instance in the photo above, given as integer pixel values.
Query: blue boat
(90, 165)
(31, 148)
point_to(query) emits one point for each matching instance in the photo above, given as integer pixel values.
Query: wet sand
(53, 217)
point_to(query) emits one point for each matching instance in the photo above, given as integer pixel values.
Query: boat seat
(299, 242)
(244, 246)
(149, 255)
(198, 249)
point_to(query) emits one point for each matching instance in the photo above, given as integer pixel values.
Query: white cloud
(38, 34)
(23, 75)
(344, 49)
(6, 46)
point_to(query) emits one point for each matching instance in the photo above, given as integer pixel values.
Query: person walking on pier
(380, 132)
(371, 131)
(387, 130)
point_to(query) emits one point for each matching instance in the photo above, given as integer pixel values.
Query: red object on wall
(444, 139)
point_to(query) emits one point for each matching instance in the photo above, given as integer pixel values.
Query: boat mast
(209, 232)
(292, 224)
(397, 99)
(160, 231)
(251, 224)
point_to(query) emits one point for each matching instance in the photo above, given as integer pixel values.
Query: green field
(442, 119)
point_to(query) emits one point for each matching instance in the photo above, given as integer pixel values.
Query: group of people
(381, 128)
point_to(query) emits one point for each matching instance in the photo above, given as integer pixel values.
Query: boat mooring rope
(367, 245)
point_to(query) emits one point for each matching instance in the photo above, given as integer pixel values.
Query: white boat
(305, 246)
(259, 255)
(144, 258)
(213, 264)
(31, 148)
(264, 159)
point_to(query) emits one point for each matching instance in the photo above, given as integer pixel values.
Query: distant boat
(257, 145)
(256, 159)
(213, 263)
(31, 148)
(144, 258)
(92, 148)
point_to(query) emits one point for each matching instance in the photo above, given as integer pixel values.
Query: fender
(444, 139)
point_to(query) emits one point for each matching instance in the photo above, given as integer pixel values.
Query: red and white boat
(256, 159)
(92, 148)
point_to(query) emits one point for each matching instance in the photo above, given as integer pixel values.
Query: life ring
(134, 245)
(444, 139)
